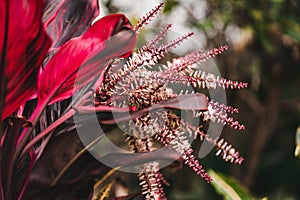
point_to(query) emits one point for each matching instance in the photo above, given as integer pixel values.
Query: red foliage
(89, 53)
(23, 46)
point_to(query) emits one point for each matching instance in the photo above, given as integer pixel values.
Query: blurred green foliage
(169, 5)
(270, 108)
(228, 187)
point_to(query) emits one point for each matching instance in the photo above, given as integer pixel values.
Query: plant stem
(111, 172)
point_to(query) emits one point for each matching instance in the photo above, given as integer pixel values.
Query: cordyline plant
(43, 46)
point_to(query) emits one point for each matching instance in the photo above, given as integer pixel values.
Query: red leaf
(23, 46)
(183, 102)
(106, 39)
(186, 102)
(65, 19)
(133, 159)
(8, 147)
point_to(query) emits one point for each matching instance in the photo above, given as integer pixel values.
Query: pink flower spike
(147, 18)
(181, 63)
(194, 164)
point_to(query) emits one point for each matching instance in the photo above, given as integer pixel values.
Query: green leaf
(293, 30)
(103, 193)
(169, 5)
(228, 187)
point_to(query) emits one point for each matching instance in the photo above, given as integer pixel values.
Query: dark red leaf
(78, 180)
(23, 46)
(106, 39)
(134, 159)
(183, 102)
(65, 19)
(14, 127)
(24, 167)
(186, 102)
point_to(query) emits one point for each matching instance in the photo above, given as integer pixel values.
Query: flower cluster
(135, 83)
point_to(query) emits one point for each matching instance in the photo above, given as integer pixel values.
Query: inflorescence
(134, 83)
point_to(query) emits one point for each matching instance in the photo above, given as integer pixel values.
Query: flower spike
(224, 149)
(192, 162)
(181, 63)
(222, 107)
(160, 36)
(143, 58)
(198, 79)
(151, 181)
(177, 41)
(147, 18)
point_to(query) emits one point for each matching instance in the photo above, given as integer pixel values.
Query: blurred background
(264, 41)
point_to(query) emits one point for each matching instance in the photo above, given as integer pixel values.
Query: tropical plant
(90, 68)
